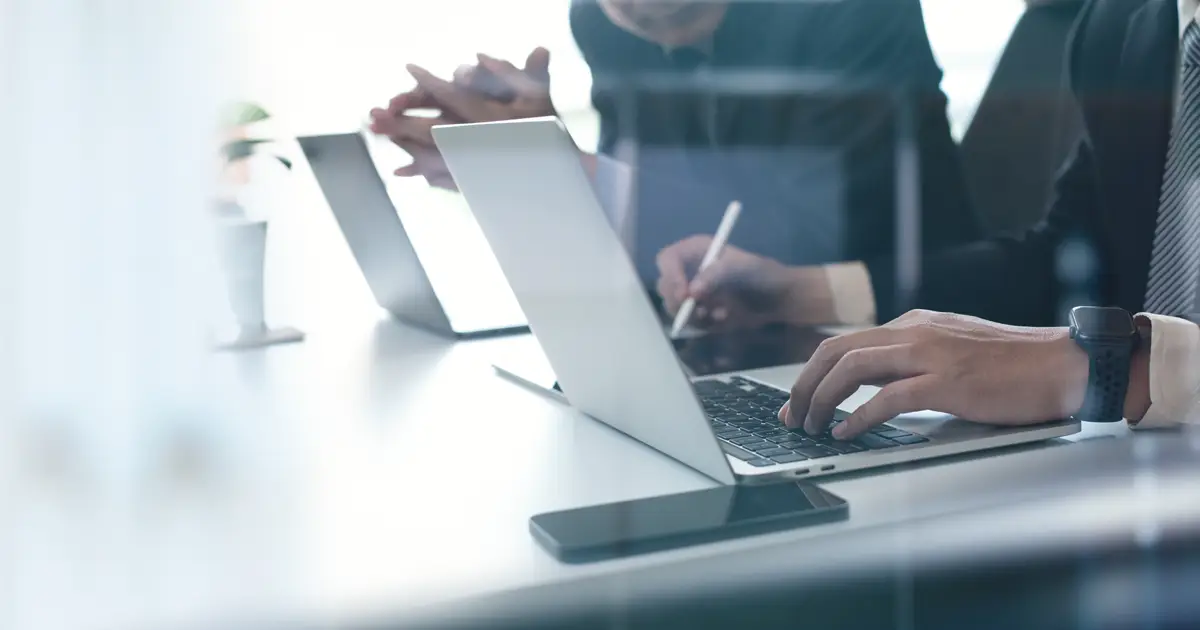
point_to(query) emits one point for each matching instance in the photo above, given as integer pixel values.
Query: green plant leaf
(240, 149)
(238, 114)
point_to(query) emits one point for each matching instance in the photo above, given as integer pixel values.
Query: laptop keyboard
(745, 418)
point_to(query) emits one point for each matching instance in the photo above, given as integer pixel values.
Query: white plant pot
(243, 248)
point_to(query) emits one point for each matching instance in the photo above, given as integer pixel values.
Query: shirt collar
(1187, 14)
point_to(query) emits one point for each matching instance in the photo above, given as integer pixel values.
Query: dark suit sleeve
(1010, 280)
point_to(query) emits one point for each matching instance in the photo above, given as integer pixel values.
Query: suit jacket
(1095, 242)
(814, 169)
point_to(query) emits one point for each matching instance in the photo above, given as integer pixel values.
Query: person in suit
(691, 93)
(1130, 195)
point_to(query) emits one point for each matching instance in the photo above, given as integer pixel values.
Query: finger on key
(906, 396)
(853, 370)
(826, 356)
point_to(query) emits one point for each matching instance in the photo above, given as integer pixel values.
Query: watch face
(1102, 322)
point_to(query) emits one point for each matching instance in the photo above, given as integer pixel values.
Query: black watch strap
(1108, 380)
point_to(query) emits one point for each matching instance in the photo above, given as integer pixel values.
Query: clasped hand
(493, 90)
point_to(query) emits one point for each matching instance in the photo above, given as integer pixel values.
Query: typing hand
(493, 90)
(968, 367)
(740, 290)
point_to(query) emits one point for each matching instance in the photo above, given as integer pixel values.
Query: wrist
(1073, 370)
(808, 298)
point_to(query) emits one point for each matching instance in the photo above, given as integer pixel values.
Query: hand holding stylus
(736, 289)
(714, 251)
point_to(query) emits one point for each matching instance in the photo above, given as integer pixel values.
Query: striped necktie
(1175, 264)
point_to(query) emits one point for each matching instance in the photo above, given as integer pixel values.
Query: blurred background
(319, 67)
(316, 66)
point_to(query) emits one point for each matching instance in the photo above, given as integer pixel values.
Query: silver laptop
(350, 181)
(589, 311)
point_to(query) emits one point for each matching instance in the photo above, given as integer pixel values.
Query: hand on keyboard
(744, 416)
(964, 366)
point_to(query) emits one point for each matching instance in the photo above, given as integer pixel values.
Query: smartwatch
(1109, 337)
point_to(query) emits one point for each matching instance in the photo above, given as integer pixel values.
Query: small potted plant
(237, 148)
(242, 239)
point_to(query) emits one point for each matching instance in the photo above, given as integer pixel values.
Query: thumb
(537, 64)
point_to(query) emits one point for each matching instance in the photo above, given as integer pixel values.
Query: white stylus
(710, 256)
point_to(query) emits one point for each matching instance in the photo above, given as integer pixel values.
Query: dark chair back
(1026, 123)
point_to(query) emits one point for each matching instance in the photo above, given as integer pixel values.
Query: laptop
(358, 197)
(701, 354)
(601, 335)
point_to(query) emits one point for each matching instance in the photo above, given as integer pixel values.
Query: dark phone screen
(683, 514)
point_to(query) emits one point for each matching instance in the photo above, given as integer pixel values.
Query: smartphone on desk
(616, 530)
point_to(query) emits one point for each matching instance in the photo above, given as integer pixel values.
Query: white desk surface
(370, 470)
(388, 470)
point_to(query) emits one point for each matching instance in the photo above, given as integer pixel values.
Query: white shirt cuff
(853, 297)
(1174, 373)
